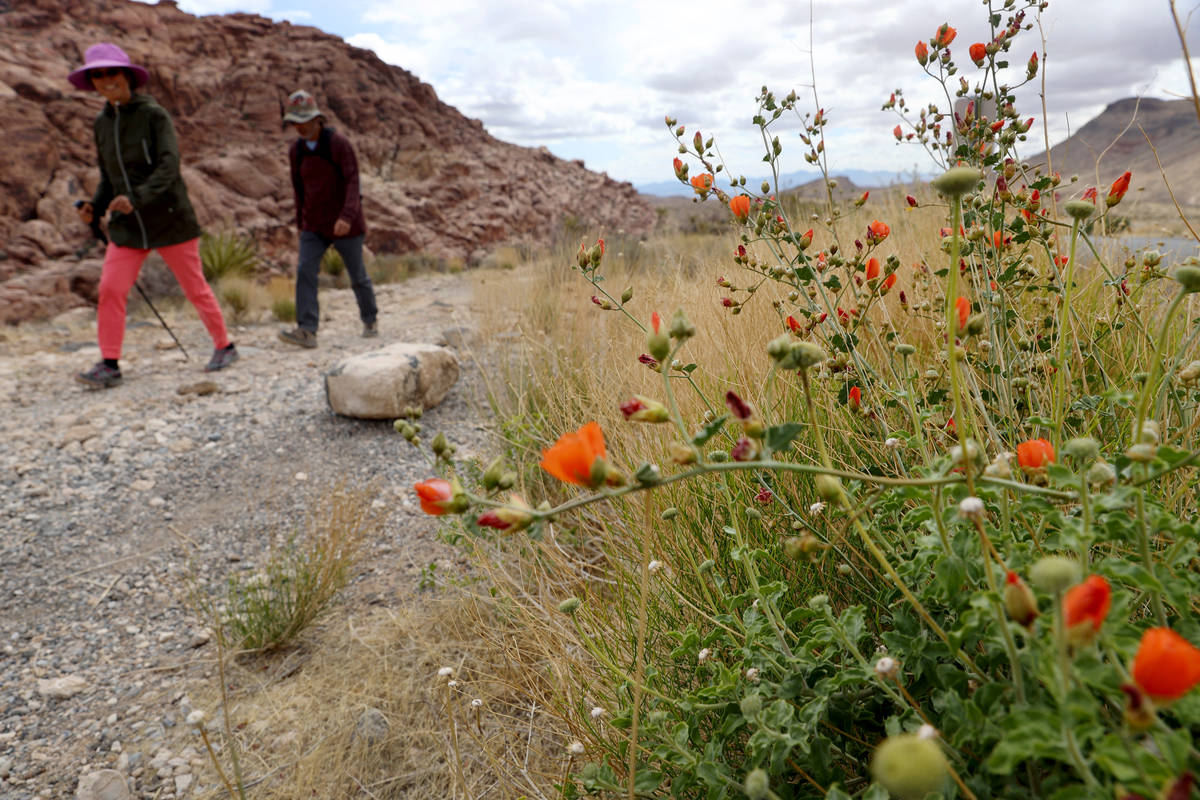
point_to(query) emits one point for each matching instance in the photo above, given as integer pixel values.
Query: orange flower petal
(1166, 666)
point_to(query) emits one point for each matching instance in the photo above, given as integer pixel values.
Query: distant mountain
(790, 180)
(1115, 139)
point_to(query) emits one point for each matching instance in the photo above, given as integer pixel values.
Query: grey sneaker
(100, 376)
(299, 337)
(222, 358)
(370, 330)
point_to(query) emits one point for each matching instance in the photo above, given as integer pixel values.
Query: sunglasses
(106, 72)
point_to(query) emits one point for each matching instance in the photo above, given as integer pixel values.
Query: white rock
(381, 383)
(66, 686)
(183, 783)
(141, 485)
(105, 784)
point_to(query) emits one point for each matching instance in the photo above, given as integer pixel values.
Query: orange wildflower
(793, 324)
(1035, 453)
(978, 53)
(1119, 188)
(574, 455)
(1085, 606)
(898, 133)
(877, 231)
(702, 183)
(945, 35)
(436, 495)
(887, 284)
(872, 268)
(963, 306)
(922, 52)
(740, 206)
(854, 397)
(1167, 666)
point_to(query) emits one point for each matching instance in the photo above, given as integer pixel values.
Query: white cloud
(593, 78)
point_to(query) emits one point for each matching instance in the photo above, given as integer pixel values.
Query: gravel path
(110, 500)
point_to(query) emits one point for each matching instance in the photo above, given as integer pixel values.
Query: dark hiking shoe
(370, 330)
(299, 337)
(222, 358)
(100, 376)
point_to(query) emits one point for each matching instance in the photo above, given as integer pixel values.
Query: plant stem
(1010, 646)
(1155, 368)
(1064, 320)
(1148, 560)
(961, 424)
(639, 668)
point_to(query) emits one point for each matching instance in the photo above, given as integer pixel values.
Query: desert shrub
(332, 263)
(898, 530)
(269, 608)
(238, 294)
(281, 294)
(227, 253)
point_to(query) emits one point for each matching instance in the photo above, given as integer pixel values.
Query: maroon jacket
(325, 184)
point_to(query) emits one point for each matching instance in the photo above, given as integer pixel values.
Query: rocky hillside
(1171, 126)
(434, 181)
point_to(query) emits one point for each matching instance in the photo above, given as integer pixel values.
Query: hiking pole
(99, 234)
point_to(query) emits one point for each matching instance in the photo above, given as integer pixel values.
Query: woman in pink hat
(148, 207)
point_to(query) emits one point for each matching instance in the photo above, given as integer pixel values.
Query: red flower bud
(1119, 188)
(963, 306)
(1019, 601)
(859, 202)
(912, 201)
(436, 496)
(898, 133)
(793, 324)
(922, 53)
(1085, 606)
(854, 397)
(945, 35)
(872, 268)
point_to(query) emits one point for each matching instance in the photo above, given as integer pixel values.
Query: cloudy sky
(592, 79)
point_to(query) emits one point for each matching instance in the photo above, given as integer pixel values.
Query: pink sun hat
(102, 55)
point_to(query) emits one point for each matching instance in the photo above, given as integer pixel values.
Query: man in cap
(328, 212)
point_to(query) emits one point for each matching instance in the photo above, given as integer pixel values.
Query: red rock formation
(433, 180)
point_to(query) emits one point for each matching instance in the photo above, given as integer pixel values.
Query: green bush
(227, 253)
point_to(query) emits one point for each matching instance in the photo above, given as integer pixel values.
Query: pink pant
(120, 271)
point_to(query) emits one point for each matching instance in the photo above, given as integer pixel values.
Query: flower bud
(818, 601)
(757, 785)
(957, 181)
(829, 488)
(1142, 453)
(1101, 475)
(905, 349)
(439, 445)
(569, 606)
(807, 354)
(1084, 449)
(680, 327)
(909, 767)
(1054, 574)
(626, 295)
(887, 668)
(658, 344)
(1188, 277)
(1019, 602)
(644, 409)
(491, 475)
(1080, 209)
(971, 508)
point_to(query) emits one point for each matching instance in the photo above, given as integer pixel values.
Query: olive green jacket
(139, 158)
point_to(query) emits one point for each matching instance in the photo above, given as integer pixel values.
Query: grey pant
(312, 250)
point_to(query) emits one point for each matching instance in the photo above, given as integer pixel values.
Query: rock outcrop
(434, 181)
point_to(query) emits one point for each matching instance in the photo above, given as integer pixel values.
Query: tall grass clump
(899, 501)
(269, 608)
(227, 254)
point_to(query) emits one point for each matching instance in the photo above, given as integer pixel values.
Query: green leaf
(780, 436)
(1031, 733)
(876, 792)
(710, 430)
(835, 793)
